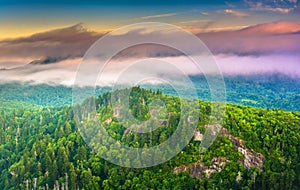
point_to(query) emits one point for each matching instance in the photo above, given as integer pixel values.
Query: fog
(54, 56)
(64, 72)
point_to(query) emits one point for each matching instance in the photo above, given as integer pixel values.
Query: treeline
(262, 91)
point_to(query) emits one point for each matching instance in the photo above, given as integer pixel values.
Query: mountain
(42, 147)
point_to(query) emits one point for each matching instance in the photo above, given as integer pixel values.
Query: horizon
(53, 36)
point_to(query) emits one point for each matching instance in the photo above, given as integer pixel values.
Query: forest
(41, 146)
(262, 91)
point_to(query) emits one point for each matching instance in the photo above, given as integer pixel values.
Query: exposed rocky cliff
(198, 169)
(251, 158)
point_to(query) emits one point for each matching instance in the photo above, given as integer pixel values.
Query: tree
(73, 177)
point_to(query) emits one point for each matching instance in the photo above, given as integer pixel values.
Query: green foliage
(43, 143)
(262, 91)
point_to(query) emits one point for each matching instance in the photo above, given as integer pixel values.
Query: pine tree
(73, 177)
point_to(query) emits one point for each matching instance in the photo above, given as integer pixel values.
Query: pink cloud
(269, 38)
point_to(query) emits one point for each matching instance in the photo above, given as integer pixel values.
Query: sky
(245, 36)
(19, 18)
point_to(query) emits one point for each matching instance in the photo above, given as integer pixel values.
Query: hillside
(41, 147)
(262, 91)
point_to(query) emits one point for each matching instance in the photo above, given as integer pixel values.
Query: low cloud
(268, 64)
(62, 72)
(136, 70)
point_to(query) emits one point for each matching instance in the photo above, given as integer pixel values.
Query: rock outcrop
(251, 158)
(197, 135)
(198, 169)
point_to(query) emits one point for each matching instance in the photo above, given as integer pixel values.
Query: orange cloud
(60, 43)
(71, 42)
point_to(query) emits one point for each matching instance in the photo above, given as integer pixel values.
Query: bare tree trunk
(67, 184)
(35, 183)
(57, 184)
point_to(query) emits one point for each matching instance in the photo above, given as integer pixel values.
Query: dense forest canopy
(42, 148)
(263, 91)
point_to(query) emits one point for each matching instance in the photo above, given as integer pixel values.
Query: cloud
(261, 7)
(55, 55)
(71, 42)
(263, 39)
(58, 44)
(280, 6)
(293, 1)
(266, 64)
(235, 13)
(281, 27)
(196, 21)
(158, 16)
(196, 26)
(135, 70)
(63, 72)
(205, 13)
